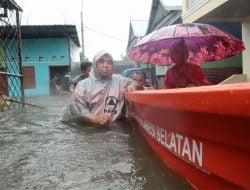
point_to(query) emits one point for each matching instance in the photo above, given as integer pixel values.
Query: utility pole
(83, 54)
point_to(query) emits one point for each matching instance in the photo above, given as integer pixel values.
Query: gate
(11, 80)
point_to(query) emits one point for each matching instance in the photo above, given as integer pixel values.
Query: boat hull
(209, 147)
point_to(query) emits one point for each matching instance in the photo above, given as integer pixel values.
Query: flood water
(37, 151)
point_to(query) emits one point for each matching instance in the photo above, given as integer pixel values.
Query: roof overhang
(229, 11)
(50, 31)
(163, 15)
(42, 31)
(9, 4)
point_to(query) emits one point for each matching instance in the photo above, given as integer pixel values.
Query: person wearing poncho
(99, 99)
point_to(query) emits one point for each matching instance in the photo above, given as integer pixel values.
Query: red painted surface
(216, 119)
(3, 83)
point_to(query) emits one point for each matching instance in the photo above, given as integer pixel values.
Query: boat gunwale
(228, 99)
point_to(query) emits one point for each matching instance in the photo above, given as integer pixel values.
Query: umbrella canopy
(205, 43)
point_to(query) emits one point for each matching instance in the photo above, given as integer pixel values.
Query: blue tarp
(128, 72)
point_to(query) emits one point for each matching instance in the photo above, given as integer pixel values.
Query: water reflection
(39, 152)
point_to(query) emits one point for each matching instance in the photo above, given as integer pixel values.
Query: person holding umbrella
(183, 74)
(177, 45)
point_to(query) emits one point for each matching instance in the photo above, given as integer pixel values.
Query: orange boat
(202, 133)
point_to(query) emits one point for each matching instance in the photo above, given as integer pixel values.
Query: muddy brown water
(38, 151)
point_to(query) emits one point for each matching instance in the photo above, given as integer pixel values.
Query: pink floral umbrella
(205, 43)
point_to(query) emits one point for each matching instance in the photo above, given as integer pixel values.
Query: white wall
(246, 52)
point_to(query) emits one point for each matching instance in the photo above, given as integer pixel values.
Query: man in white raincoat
(99, 99)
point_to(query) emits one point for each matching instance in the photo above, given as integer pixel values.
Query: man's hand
(101, 119)
(130, 88)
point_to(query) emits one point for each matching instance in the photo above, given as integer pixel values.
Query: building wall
(246, 52)
(195, 9)
(74, 58)
(13, 81)
(46, 48)
(10, 57)
(74, 51)
(51, 49)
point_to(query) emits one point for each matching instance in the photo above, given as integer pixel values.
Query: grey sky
(106, 22)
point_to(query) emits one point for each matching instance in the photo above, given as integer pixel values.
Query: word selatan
(184, 147)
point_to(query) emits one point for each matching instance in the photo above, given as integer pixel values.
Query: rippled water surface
(37, 151)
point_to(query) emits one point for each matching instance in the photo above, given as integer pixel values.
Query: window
(40, 59)
(13, 60)
(53, 59)
(192, 3)
(62, 58)
(27, 59)
(29, 78)
(3, 12)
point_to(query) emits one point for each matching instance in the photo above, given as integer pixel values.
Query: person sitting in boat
(140, 78)
(183, 74)
(99, 99)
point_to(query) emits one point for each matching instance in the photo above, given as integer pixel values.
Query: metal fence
(11, 80)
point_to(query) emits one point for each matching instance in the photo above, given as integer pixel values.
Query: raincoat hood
(97, 95)
(94, 73)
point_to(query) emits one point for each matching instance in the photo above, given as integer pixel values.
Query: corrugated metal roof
(163, 13)
(9, 4)
(139, 27)
(172, 3)
(42, 31)
(50, 31)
